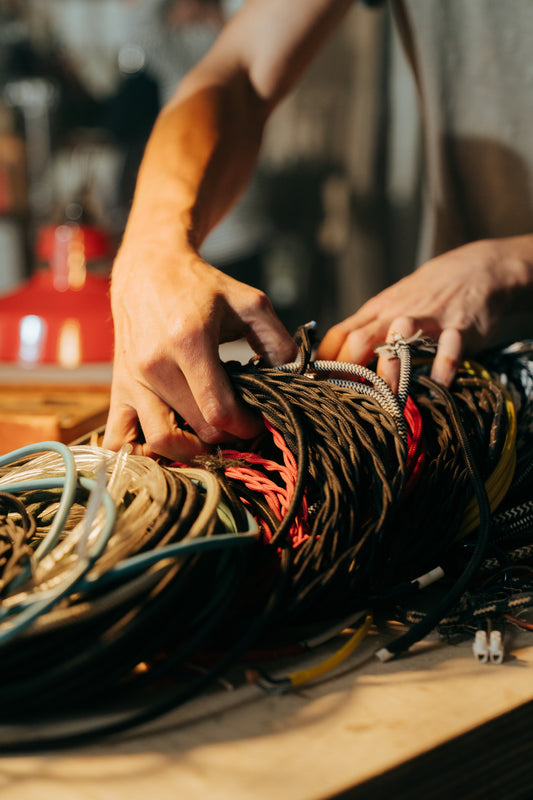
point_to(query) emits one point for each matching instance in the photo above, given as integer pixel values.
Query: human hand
(167, 330)
(456, 298)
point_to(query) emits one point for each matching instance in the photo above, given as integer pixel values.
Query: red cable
(416, 447)
(528, 626)
(278, 497)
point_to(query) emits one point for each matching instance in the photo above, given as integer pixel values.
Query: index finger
(215, 408)
(163, 437)
(353, 335)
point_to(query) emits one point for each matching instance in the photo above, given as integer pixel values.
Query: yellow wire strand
(499, 481)
(310, 674)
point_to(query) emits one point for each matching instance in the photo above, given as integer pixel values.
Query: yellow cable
(306, 675)
(498, 483)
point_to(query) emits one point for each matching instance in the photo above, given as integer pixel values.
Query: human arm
(171, 310)
(458, 298)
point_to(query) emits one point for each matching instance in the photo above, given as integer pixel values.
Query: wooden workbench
(244, 745)
(340, 732)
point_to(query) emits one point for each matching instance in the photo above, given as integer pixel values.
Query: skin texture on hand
(166, 338)
(456, 299)
(171, 310)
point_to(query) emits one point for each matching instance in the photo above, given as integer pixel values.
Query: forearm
(199, 157)
(204, 145)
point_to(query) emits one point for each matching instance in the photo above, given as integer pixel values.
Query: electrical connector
(480, 647)
(429, 577)
(496, 650)
(488, 646)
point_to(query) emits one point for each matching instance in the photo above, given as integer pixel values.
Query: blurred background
(331, 214)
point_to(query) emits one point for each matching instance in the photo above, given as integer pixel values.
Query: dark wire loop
(432, 618)
(349, 529)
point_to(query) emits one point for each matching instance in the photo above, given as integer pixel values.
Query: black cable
(433, 617)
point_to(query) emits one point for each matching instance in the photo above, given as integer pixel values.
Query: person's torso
(473, 63)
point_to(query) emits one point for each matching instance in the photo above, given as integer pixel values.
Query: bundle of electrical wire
(128, 586)
(95, 586)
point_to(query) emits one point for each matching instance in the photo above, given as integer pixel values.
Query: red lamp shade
(62, 315)
(97, 244)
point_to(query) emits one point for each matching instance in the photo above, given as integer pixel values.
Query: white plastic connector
(480, 647)
(384, 655)
(496, 651)
(429, 577)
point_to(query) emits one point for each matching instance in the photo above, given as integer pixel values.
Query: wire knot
(393, 348)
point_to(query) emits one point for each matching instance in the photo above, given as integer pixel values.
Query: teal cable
(67, 496)
(30, 608)
(131, 567)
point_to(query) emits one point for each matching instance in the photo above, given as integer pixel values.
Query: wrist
(153, 238)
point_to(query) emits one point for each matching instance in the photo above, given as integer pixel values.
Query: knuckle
(210, 435)
(215, 414)
(149, 363)
(359, 338)
(186, 339)
(260, 302)
(181, 330)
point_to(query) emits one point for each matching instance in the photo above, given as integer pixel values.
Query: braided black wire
(351, 461)
(446, 482)
(365, 540)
